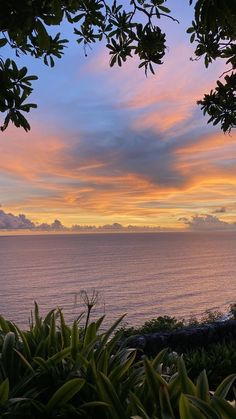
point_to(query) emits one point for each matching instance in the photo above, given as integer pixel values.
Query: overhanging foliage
(129, 29)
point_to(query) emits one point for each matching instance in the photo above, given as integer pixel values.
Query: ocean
(145, 275)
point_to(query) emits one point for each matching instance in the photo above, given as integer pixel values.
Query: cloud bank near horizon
(15, 222)
(9, 221)
(205, 222)
(208, 222)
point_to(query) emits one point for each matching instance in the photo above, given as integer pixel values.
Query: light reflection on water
(143, 274)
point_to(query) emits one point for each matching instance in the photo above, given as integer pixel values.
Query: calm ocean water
(143, 274)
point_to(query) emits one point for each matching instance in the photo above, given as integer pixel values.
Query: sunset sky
(110, 145)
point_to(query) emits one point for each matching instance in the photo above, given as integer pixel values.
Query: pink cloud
(167, 99)
(31, 155)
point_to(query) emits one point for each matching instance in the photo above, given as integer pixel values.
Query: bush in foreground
(218, 360)
(54, 370)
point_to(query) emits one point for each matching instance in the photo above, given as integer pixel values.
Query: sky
(109, 145)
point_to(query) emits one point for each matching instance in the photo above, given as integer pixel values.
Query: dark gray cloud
(55, 226)
(10, 221)
(219, 210)
(207, 222)
(145, 154)
(15, 222)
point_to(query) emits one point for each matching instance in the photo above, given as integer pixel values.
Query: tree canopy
(129, 29)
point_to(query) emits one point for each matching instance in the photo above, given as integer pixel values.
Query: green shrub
(159, 324)
(210, 316)
(168, 323)
(54, 370)
(219, 360)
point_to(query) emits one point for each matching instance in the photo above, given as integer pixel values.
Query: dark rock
(183, 339)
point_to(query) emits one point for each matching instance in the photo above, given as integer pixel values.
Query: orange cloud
(31, 156)
(83, 192)
(208, 142)
(160, 120)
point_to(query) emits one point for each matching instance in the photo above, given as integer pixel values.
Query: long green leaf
(99, 322)
(36, 315)
(24, 341)
(108, 334)
(4, 325)
(65, 393)
(42, 347)
(204, 407)
(41, 362)
(202, 387)
(94, 404)
(120, 370)
(59, 356)
(187, 385)
(187, 410)
(112, 343)
(65, 331)
(7, 354)
(12, 328)
(4, 391)
(109, 395)
(134, 379)
(154, 380)
(103, 361)
(223, 389)
(166, 409)
(24, 360)
(159, 358)
(52, 340)
(90, 334)
(224, 408)
(74, 340)
(47, 319)
(137, 407)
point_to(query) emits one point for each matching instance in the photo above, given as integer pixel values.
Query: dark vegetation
(218, 360)
(169, 323)
(129, 29)
(53, 370)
